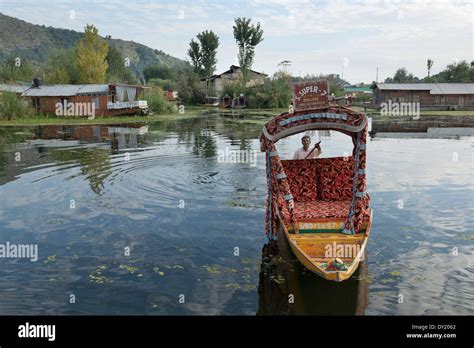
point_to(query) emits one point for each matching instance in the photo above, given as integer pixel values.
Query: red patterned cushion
(335, 178)
(302, 178)
(318, 209)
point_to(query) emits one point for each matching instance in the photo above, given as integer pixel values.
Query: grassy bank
(254, 116)
(41, 120)
(190, 112)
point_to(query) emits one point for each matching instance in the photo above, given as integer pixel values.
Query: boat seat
(321, 188)
(317, 209)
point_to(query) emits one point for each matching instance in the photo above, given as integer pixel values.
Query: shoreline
(190, 112)
(260, 116)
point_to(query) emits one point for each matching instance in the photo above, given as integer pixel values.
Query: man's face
(306, 142)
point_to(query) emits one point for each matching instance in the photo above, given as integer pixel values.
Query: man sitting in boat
(305, 152)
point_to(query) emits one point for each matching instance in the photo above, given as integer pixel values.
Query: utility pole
(377, 75)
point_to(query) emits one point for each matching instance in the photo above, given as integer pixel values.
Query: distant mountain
(35, 43)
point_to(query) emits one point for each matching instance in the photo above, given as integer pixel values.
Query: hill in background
(35, 44)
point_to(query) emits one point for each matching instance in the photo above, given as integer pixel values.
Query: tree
(16, 69)
(194, 52)
(117, 71)
(402, 76)
(91, 53)
(157, 71)
(429, 65)
(60, 68)
(209, 43)
(190, 88)
(13, 106)
(460, 72)
(247, 36)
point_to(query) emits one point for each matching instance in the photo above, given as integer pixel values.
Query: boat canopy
(338, 118)
(329, 117)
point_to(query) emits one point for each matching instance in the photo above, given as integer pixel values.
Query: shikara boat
(210, 102)
(319, 205)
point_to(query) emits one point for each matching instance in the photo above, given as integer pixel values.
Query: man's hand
(317, 146)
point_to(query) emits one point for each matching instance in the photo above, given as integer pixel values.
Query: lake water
(138, 219)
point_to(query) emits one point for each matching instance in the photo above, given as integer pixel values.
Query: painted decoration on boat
(310, 95)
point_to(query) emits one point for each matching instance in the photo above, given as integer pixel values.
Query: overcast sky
(316, 36)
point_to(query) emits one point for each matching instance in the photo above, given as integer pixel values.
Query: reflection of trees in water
(281, 274)
(191, 131)
(120, 141)
(204, 144)
(95, 166)
(10, 137)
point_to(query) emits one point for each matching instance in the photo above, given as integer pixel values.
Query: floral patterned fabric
(317, 209)
(277, 190)
(362, 204)
(302, 178)
(335, 178)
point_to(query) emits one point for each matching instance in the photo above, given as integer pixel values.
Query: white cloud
(315, 35)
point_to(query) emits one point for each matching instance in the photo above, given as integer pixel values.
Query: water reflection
(281, 275)
(189, 249)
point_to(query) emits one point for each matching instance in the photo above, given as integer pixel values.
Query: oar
(309, 154)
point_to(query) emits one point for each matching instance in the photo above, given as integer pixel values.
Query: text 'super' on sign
(310, 95)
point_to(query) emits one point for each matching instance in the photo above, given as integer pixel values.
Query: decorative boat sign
(310, 95)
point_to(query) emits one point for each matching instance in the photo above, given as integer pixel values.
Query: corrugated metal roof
(453, 88)
(13, 88)
(357, 89)
(434, 88)
(65, 90)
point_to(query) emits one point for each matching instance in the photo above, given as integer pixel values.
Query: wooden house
(218, 82)
(428, 95)
(106, 99)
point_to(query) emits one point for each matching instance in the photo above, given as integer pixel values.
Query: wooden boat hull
(311, 250)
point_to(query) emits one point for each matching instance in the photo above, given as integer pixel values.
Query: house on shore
(218, 82)
(106, 99)
(428, 95)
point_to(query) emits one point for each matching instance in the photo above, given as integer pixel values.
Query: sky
(351, 38)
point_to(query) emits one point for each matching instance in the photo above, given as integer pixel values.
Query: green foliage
(157, 71)
(163, 84)
(35, 43)
(460, 72)
(189, 87)
(456, 72)
(16, 69)
(61, 68)
(194, 52)
(117, 71)
(203, 54)
(363, 97)
(234, 89)
(13, 106)
(91, 52)
(429, 65)
(157, 102)
(402, 76)
(274, 93)
(247, 36)
(209, 43)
